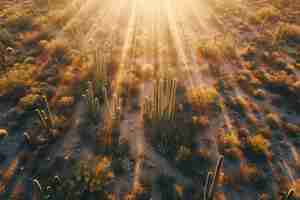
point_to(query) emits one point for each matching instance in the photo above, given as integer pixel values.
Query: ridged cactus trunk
(100, 71)
(112, 115)
(92, 101)
(46, 116)
(161, 105)
(212, 181)
(288, 195)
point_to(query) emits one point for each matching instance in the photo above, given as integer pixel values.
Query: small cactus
(92, 102)
(46, 116)
(112, 115)
(212, 181)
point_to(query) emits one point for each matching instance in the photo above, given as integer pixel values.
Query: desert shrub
(85, 178)
(231, 140)
(292, 130)
(19, 22)
(140, 192)
(218, 49)
(209, 50)
(248, 173)
(296, 187)
(241, 104)
(5, 36)
(265, 14)
(94, 173)
(287, 33)
(258, 145)
(273, 120)
(29, 101)
(203, 99)
(201, 121)
(183, 153)
(18, 77)
(147, 72)
(65, 102)
(59, 51)
(230, 145)
(129, 85)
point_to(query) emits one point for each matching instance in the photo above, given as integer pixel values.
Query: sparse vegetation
(141, 100)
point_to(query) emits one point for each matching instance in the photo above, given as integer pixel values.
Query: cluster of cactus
(112, 115)
(2, 54)
(92, 101)
(212, 181)
(100, 70)
(46, 116)
(162, 104)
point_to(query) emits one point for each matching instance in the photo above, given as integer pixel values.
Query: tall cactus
(161, 105)
(112, 115)
(212, 180)
(46, 116)
(100, 70)
(92, 101)
(288, 195)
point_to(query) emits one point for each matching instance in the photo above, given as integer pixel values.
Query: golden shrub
(19, 76)
(231, 139)
(258, 144)
(203, 99)
(265, 14)
(29, 101)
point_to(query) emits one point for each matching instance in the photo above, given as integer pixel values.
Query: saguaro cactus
(212, 181)
(100, 70)
(288, 195)
(46, 117)
(92, 101)
(161, 105)
(112, 115)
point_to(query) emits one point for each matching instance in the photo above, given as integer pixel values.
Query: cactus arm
(215, 178)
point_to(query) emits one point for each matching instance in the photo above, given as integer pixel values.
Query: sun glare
(149, 99)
